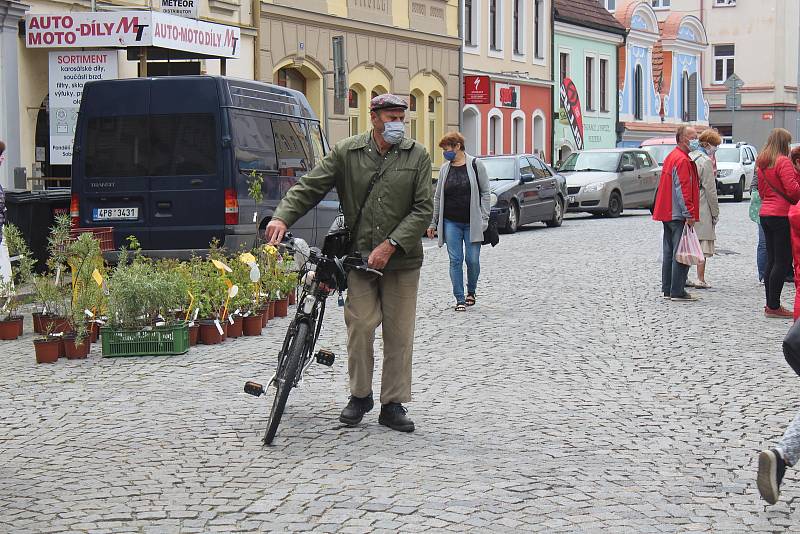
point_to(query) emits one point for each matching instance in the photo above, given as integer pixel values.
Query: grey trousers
(389, 301)
(789, 445)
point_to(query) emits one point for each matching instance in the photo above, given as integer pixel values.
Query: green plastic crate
(160, 341)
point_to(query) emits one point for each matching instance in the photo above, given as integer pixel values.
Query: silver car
(606, 181)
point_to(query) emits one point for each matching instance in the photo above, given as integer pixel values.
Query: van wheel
(739, 191)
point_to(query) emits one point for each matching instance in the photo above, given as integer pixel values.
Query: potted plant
(85, 260)
(22, 264)
(210, 292)
(139, 300)
(48, 347)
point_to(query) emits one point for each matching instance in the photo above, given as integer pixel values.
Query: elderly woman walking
(709, 204)
(461, 215)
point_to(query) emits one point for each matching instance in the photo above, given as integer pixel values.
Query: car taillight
(74, 212)
(231, 207)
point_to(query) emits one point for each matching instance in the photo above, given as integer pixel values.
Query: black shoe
(393, 415)
(355, 409)
(771, 469)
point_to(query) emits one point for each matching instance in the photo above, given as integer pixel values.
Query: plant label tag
(196, 311)
(58, 275)
(255, 216)
(230, 318)
(191, 323)
(160, 323)
(219, 327)
(88, 314)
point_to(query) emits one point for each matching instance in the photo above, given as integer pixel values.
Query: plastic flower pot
(235, 329)
(74, 349)
(282, 307)
(263, 312)
(46, 349)
(94, 331)
(61, 325)
(271, 310)
(194, 334)
(19, 320)
(252, 325)
(9, 330)
(293, 297)
(209, 335)
(37, 322)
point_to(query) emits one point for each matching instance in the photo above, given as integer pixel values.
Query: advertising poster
(571, 103)
(69, 72)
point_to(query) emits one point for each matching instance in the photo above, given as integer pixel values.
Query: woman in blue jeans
(461, 215)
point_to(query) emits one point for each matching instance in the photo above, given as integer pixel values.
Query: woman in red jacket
(779, 188)
(794, 223)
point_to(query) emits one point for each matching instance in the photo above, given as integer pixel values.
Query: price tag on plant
(196, 311)
(219, 327)
(230, 319)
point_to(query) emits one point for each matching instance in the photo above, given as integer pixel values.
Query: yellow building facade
(407, 47)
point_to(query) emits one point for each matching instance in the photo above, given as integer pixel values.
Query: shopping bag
(689, 251)
(755, 207)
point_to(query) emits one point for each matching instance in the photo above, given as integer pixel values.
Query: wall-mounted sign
(131, 28)
(69, 71)
(768, 116)
(180, 8)
(572, 106)
(506, 96)
(476, 90)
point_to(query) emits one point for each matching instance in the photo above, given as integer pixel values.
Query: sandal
(470, 300)
(461, 307)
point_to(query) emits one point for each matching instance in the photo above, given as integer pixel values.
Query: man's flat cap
(387, 101)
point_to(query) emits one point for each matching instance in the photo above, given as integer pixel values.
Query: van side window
(183, 145)
(253, 141)
(316, 142)
(117, 146)
(292, 146)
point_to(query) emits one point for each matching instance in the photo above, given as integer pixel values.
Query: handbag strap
(781, 193)
(371, 185)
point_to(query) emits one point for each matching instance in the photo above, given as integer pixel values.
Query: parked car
(175, 171)
(736, 164)
(524, 190)
(659, 148)
(606, 181)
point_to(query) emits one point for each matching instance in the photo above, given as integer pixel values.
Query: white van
(736, 164)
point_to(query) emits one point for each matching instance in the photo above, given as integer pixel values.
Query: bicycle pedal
(254, 389)
(325, 357)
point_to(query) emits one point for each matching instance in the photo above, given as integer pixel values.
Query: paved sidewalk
(572, 398)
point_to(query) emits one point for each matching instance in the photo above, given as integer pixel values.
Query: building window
(723, 62)
(495, 24)
(689, 100)
(638, 94)
(662, 4)
(292, 78)
(495, 134)
(603, 85)
(589, 80)
(518, 135)
(610, 5)
(412, 103)
(469, 27)
(539, 22)
(563, 65)
(517, 27)
(355, 115)
(414, 117)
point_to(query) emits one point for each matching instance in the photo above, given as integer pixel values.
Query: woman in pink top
(779, 188)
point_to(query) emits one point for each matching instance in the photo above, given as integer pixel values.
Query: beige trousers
(391, 301)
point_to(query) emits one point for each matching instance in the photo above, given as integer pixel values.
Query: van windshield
(151, 145)
(727, 155)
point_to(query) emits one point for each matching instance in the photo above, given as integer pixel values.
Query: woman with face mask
(461, 215)
(703, 156)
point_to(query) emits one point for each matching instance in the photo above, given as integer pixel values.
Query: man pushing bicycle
(384, 185)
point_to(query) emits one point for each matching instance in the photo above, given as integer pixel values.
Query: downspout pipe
(255, 17)
(553, 89)
(461, 69)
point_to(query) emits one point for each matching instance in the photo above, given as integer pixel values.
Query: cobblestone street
(572, 398)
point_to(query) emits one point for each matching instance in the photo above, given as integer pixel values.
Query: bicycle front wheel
(284, 381)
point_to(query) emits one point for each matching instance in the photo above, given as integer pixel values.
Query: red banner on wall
(572, 106)
(476, 90)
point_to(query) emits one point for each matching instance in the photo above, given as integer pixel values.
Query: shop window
(495, 134)
(292, 78)
(518, 135)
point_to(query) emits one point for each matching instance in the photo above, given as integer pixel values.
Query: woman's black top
(457, 194)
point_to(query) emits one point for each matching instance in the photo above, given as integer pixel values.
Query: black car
(524, 190)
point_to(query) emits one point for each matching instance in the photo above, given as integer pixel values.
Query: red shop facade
(507, 116)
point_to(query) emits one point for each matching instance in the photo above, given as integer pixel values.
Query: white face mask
(393, 132)
(711, 150)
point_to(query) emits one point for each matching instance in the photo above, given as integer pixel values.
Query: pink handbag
(689, 250)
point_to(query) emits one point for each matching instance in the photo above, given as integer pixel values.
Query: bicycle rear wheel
(284, 380)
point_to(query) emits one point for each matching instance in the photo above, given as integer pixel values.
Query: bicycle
(321, 274)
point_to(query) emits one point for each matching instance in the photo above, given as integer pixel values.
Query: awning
(123, 29)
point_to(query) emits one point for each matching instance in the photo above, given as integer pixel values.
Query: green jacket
(400, 205)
